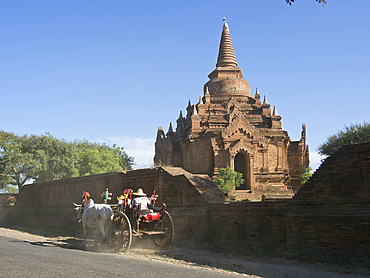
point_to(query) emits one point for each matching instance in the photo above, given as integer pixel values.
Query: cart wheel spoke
(121, 232)
(167, 226)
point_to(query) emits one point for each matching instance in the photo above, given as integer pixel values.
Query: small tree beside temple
(227, 180)
(307, 174)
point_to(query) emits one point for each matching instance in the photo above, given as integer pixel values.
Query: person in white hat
(140, 198)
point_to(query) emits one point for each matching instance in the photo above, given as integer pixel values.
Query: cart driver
(149, 211)
(141, 198)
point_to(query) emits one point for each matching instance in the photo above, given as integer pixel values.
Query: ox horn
(77, 205)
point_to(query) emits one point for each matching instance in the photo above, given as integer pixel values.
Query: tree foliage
(97, 159)
(355, 133)
(227, 179)
(45, 158)
(307, 174)
(56, 157)
(17, 164)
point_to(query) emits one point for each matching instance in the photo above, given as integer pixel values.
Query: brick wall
(330, 213)
(343, 175)
(49, 206)
(332, 210)
(257, 226)
(198, 156)
(63, 193)
(327, 226)
(298, 161)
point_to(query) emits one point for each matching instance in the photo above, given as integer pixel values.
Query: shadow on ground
(146, 249)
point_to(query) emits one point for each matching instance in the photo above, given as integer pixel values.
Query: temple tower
(231, 127)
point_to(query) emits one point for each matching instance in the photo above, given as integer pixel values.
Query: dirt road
(190, 259)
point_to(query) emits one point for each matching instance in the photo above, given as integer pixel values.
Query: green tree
(45, 158)
(57, 158)
(227, 180)
(307, 174)
(11, 189)
(17, 164)
(94, 158)
(125, 161)
(355, 133)
(97, 161)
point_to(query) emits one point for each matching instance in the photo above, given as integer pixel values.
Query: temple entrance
(241, 165)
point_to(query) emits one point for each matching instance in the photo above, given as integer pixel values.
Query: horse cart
(128, 223)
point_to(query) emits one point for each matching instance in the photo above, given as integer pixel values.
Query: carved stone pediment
(242, 145)
(239, 124)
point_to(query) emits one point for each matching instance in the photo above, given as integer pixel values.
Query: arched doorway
(241, 165)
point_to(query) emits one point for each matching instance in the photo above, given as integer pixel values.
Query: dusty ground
(260, 267)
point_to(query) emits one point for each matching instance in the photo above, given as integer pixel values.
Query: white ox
(95, 217)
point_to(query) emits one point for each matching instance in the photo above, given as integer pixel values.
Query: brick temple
(231, 127)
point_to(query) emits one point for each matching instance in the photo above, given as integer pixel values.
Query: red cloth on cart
(151, 216)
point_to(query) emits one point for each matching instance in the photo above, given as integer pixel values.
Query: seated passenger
(146, 208)
(140, 198)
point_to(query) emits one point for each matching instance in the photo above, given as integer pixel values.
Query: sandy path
(261, 267)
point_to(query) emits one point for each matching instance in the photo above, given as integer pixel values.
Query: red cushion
(151, 216)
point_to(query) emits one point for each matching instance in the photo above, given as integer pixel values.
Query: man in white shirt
(140, 198)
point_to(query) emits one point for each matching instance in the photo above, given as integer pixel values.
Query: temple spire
(195, 112)
(265, 100)
(257, 93)
(200, 100)
(207, 96)
(170, 130)
(258, 96)
(226, 56)
(275, 113)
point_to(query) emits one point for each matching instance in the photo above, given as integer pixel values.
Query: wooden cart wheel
(166, 225)
(121, 232)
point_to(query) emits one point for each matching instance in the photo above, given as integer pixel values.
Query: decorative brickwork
(231, 127)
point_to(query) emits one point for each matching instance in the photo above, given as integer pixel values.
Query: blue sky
(113, 71)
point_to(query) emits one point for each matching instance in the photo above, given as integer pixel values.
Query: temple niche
(231, 127)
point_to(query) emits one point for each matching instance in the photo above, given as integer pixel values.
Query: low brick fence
(237, 227)
(330, 225)
(331, 213)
